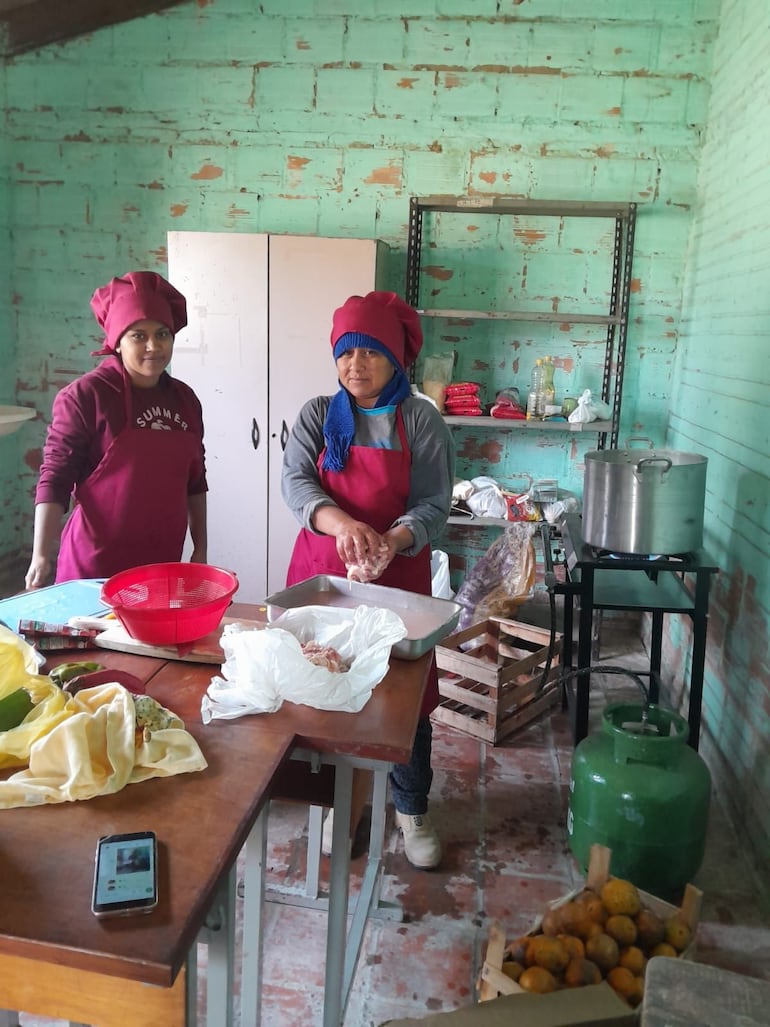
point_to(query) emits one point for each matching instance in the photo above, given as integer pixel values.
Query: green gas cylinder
(638, 788)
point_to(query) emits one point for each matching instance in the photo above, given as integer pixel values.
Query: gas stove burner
(608, 554)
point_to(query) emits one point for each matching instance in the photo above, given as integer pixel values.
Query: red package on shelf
(464, 411)
(464, 401)
(455, 389)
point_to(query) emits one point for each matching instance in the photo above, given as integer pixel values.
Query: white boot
(326, 835)
(421, 843)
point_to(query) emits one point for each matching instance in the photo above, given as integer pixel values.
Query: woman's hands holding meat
(364, 550)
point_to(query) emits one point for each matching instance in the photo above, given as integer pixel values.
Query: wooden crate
(490, 674)
(492, 982)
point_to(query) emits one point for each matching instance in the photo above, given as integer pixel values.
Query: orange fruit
(633, 959)
(512, 969)
(574, 918)
(550, 953)
(622, 980)
(650, 928)
(594, 908)
(517, 949)
(664, 949)
(538, 980)
(621, 896)
(637, 994)
(604, 951)
(580, 972)
(551, 922)
(573, 945)
(678, 933)
(622, 928)
(592, 930)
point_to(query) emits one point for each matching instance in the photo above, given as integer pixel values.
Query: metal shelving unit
(615, 320)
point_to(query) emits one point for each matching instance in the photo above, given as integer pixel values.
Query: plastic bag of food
(436, 375)
(589, 409)
(508, 406)
(487, 499)
(502, 579)
(265, 666)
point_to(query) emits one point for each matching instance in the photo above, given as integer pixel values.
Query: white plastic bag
(265, 666)
(590, 409)
(487, 499)
(439, 568)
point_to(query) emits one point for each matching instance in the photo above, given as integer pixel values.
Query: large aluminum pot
(644, 501)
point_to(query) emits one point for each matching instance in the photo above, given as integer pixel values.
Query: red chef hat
(137, 296)
(383, 316)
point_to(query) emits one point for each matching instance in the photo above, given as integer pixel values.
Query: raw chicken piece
(368, 569)
(324, 656)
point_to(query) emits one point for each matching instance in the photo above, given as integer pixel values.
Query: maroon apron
(132, 509)
(374, 488)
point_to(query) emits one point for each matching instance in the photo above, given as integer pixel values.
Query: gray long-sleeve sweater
(431, 446)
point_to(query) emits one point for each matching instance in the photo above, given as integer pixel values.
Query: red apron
(374, 488)
(132, 509)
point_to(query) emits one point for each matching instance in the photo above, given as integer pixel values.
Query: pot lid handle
(639, 438)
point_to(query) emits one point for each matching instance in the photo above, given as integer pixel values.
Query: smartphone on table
(125, 874)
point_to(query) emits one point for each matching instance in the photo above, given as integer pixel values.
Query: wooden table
(57, 960)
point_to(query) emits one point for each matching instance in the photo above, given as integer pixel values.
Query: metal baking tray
(427, 620)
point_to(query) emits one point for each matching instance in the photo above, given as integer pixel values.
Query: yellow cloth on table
(94, 751)
(18, 669)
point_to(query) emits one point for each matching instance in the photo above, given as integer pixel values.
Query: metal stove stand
(602, 581)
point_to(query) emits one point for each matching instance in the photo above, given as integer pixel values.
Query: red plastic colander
(170, 603)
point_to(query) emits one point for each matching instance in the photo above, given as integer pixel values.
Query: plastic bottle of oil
(535, 403)
(549, 392)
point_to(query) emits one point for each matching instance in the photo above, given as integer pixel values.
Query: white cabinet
(255, 349)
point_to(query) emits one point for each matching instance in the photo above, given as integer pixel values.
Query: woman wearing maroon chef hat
(368, 473)
(125, 445)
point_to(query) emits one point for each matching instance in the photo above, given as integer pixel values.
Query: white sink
(13, 417)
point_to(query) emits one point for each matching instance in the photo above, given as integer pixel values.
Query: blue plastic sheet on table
(55, 604)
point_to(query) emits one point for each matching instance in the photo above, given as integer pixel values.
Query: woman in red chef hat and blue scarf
(368, 473)
(126, 444)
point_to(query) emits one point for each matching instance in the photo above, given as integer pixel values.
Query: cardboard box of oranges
(602, 934)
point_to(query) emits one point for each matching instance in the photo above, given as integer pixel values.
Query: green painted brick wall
(719, 406)
(324, 117)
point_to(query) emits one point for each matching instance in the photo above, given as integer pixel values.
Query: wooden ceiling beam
(29, 25)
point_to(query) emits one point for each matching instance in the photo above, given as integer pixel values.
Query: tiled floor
(501, 814)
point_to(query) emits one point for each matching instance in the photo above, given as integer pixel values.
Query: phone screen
(125, 879)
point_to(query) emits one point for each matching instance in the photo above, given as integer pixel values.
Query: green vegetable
(14, 708)
(66, 671)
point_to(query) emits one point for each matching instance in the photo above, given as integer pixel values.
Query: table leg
(339, 878)
(700, 621)
(566, 645)
(254, 921)
(219, 935)
(583, 683)
(656, 648)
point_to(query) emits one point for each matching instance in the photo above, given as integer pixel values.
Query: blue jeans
(410, 782)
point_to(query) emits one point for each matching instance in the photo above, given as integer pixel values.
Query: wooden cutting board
(204, 650)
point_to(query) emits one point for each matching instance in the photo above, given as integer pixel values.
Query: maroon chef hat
(383, 316)
(137, 296)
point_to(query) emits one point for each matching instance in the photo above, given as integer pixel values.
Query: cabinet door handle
(284, 435)
(254, 433)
